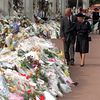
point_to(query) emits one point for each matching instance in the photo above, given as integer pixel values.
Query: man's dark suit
(68, 32)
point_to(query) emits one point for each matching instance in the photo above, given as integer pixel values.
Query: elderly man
(68, 34)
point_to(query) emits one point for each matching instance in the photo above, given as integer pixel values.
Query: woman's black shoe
(82, 65)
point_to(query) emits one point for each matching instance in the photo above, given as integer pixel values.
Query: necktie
(69, 20)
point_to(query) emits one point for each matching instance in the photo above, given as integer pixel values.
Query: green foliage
(25, 64)
(43, 77)
(50, 54)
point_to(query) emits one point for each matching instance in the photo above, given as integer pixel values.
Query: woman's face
(80, 19)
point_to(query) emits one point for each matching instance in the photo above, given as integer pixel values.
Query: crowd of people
(75, 29)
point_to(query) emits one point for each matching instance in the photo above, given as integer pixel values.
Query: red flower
(42, 97)
(29, 91)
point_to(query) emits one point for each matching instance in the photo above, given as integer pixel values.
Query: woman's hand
(63, 38)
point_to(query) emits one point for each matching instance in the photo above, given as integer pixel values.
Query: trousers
(69, 44)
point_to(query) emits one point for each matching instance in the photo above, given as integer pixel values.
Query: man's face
(67, 12)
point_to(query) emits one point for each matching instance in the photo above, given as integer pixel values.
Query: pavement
(88, 77)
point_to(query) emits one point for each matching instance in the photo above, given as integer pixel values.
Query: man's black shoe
(68, 63)
(72, 62)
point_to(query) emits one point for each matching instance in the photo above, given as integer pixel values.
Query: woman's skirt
(82, 44)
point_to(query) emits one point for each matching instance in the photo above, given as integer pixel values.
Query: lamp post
(77, 5)
(28, 8)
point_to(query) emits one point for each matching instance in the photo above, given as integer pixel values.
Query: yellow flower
(61, 54)
(66, 73)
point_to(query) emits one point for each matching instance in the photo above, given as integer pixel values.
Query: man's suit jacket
(67, 27)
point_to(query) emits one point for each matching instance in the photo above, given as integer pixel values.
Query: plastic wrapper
(48, 96)
(65, 88)
(3, 87)
(14, 96)
(53, 83)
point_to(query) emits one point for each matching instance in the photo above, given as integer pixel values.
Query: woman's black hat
(80, 15)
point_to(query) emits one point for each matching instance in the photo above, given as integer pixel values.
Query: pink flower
(14, 96)
(52, 59)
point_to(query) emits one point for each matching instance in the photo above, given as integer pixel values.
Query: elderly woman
(83, 30)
